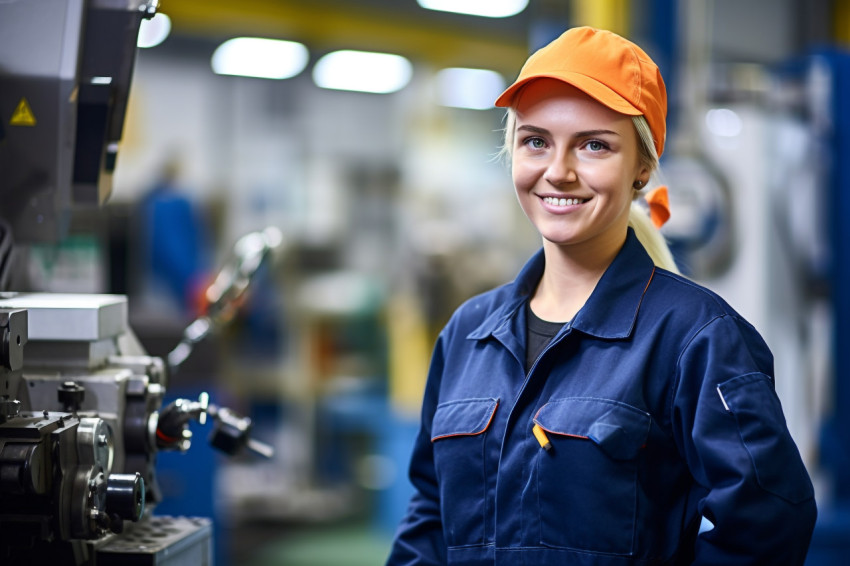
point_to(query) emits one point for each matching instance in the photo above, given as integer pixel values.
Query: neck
(571, 275)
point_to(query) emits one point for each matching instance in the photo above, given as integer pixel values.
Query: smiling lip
(559, 204)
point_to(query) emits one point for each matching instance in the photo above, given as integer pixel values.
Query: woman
(600, 409)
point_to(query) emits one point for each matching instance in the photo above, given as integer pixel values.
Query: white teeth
(562, 201)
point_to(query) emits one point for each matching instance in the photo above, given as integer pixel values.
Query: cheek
(612, 180)
(524, 177)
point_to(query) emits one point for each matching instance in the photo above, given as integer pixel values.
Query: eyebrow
(584, 134)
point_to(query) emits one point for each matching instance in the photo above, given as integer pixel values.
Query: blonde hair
(648, 235)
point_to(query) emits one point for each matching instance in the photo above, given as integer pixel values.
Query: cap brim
(588, 85)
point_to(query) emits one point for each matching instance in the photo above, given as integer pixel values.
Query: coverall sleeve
(419, 539)
(729, 425)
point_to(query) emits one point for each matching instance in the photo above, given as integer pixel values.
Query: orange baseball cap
(610, 68)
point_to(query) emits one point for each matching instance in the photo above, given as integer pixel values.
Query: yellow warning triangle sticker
(23, 115)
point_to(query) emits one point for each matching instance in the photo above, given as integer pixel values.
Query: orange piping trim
(651, 275)
(564, 433)
(543, 428)
(492, 414)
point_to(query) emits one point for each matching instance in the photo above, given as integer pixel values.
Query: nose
(561, 170)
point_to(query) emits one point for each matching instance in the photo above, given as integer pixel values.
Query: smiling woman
(600, 409)
(656, 203)
(575, 163)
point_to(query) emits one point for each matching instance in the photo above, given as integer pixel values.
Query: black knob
(71, 396)
(125, 496)
(231, 432)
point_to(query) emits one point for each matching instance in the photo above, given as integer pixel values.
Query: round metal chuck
(125, 496)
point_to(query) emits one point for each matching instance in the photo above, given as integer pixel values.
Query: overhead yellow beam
(328, 26)
(841, 21)
(612, 15)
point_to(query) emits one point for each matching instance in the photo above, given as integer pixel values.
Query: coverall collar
(611, 310)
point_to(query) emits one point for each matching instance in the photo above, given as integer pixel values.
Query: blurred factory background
(381, 175)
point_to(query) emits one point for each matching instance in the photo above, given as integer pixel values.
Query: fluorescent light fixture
(484, 8)
(362, 71)
(724, 122)
(469, 88)
(154, 31)
(260, 58)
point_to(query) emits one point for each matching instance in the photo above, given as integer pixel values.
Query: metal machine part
(231, 432)
(13, 337)
(161, 541)
(55, 486)
(80, 405)
(227, 292)
(83, 424)
(65, 71)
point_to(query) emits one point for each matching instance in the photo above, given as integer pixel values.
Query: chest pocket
(458, 432)
(467, 417)
(587, 482)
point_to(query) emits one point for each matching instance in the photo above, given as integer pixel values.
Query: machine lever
(231, 432)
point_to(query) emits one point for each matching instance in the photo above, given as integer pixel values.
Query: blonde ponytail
(651, 239)
(648, 235)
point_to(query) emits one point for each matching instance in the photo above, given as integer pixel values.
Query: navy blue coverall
(668, 442)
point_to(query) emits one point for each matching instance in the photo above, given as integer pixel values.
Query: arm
(419, 539)
(729, 425)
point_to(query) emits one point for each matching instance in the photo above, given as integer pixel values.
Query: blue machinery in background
(831, 542)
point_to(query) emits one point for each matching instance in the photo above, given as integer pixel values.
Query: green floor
(337, 545)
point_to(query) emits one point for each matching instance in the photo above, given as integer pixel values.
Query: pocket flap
(465, 417)
(620, 430)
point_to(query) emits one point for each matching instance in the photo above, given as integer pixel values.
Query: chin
(560, 232)
(561, 239)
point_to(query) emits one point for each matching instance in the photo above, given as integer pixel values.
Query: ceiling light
(484, 8)
(469, 88)
(261, 58)
(154, 31)
(724, 122)
(362, 71)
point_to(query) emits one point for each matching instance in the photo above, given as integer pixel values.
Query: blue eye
(595, 145)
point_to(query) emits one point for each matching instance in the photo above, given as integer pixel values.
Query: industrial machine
(81, 415)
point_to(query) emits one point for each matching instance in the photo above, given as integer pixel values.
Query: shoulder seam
(687, 282)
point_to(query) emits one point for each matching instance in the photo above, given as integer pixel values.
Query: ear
(643, 174)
